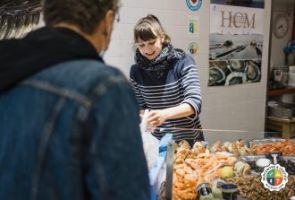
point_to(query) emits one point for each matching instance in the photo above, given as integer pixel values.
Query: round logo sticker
(194, 5)
(274, 177)
(193, 48)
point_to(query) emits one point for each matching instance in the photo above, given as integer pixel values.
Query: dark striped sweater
(180, 84)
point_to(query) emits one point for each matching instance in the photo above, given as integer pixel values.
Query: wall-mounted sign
(194, 26)
(236, 43)
(194, 5)
(226, 19)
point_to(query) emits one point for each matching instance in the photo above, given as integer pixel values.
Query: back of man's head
(85, 14)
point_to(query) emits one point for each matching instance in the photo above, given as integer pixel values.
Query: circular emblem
(274, 177)
(194, 5)
(193, 48)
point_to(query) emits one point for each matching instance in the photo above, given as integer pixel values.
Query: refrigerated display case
(225, 163)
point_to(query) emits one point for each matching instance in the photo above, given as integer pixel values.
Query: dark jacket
(70, 131)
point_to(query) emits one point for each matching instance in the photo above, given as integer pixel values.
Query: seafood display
(232, 162)
(195, 166)
(286, 147)
(250, 187)
(287, 162)
(237, 148)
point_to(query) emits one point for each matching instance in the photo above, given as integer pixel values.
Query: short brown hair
(85, 14)
(148, 28)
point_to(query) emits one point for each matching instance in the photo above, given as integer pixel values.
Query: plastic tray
(288, 158)
(252, 158)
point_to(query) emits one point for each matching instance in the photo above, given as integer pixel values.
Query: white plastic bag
(145, 126)
(150, 143)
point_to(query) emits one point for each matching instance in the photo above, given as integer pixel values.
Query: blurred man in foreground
(68, 122)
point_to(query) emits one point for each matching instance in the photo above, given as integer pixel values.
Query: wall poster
(236, 41)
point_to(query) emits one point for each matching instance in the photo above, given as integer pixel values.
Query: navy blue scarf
(161, 63)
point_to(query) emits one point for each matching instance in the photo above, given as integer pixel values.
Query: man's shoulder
(80, 68)
(80, 75)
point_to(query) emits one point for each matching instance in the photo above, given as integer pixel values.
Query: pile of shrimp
(193, 167)
(286, 147)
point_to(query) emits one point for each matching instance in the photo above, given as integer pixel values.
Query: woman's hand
(157, 117)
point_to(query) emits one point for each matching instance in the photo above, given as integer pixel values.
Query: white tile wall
(239, 107)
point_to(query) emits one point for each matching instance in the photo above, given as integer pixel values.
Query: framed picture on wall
(236, 42)
(243, 3)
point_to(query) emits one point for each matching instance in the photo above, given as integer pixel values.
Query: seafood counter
(232, 170)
